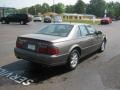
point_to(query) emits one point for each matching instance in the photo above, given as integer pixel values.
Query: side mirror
(98, 32)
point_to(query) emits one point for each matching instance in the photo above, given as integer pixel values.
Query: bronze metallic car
(58, 44)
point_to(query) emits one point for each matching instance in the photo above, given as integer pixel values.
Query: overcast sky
(27, 3)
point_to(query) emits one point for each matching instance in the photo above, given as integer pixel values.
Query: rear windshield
(61, 30)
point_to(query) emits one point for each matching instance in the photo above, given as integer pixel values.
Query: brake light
(50, 51)
(20, 42)
(53, 51)
(18, 45)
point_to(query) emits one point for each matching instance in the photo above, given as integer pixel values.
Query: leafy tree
(110, 9)
(113, 9)
(31, 10)
(23, 10)
(69, 9)
(59, 8)
(97, 7)
(117, 10)
(45, 8)
(79, 7)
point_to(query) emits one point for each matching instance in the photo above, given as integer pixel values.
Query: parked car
(37, 18)
(47, 19)
(60, 44)
(106, 20)
(19, 18)
(57, 19)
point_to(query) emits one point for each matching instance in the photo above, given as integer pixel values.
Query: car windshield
(36, 16)
(61, 30)
(57, 17)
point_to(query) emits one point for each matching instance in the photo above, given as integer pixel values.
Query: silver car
(57, 19)
(60, 44)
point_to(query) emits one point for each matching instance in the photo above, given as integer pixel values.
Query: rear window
(61, 30)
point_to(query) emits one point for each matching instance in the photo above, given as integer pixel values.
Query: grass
(82, 21)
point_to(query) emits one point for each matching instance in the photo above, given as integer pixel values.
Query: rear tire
(73, 59)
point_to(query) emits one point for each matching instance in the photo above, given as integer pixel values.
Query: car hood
(45, 37)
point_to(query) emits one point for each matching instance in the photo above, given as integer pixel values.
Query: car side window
(83, 30)
(91, 30)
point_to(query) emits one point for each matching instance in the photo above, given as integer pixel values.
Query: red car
(106, 20)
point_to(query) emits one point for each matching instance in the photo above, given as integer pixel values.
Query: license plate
(31, 47)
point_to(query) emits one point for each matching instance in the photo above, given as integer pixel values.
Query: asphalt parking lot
(99, 71)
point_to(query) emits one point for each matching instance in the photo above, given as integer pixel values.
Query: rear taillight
(53, 51)
(18, 45)
(49, 51)
(20, 42)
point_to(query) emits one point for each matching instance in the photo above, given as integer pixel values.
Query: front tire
(73, 60)
(103, 46)
(3, 22)
(22, 22)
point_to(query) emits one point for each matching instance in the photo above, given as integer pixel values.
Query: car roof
(71, 23)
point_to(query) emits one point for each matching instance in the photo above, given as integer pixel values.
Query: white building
(78, 16)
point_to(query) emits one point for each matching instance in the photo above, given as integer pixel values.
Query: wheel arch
(77, 47)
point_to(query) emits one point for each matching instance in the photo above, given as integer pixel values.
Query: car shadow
(33, 71)
(15, 24)
(36, 72)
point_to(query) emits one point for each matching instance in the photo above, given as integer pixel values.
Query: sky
(27, 3)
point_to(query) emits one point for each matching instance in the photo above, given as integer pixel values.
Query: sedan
(60, 44)
(37, 19)
(47, 19)
(106, 20)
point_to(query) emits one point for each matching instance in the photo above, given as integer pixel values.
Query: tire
(3, 21)
(22, 23)
(102, 47)
(7, 22)
(73, 60)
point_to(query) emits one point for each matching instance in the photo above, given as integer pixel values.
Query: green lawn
(82, 21)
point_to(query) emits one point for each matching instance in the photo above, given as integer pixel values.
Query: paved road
(99, 71)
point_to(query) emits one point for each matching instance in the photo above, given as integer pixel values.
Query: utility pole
(35, 10)
(54, 6)
(27, 10)
(105, 13)
(54, 11)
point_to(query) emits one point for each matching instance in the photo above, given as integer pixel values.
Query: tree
(117, 10)
(59, 8)
(31, 10)
(69, 9)
(113, 9)
(97, 7)
(45, 8)
(110, 9)
(79, 7)
(23, 10)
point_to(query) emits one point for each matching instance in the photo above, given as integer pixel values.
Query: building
(69, 16)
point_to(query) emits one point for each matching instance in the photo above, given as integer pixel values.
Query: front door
(84, 40)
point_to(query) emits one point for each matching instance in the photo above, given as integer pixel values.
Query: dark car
(60, 44)
(47, 19)
(106, 20)
(19, 18)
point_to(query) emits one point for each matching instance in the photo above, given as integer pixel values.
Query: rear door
(84, 40)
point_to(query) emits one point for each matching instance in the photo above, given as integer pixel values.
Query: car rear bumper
(40, 58)
(37, 20)
(104, 22)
